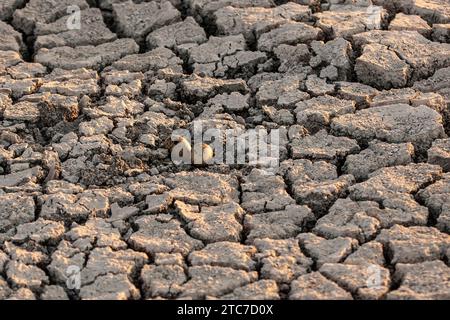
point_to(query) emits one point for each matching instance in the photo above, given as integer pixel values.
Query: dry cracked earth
(360, 91)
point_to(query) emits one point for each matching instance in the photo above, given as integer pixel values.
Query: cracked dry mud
(86, 178)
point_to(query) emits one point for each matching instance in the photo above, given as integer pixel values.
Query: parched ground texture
(359, 89)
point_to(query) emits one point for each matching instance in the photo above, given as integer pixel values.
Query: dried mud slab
(417, 281)
(395, 123)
